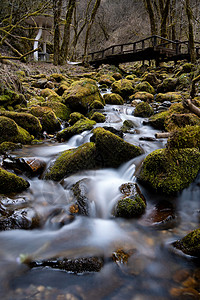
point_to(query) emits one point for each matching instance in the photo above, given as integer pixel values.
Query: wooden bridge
(152, 48)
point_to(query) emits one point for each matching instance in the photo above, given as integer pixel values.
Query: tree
(191, 32)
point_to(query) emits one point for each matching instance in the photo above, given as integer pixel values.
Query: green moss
(9, 146)
(168, 85)
(170, 96)
(10, 183)
(123, 87)
(144, 87)
(25, 120)
(184, 82)
(158, 120)
(130, 207)
(176, 121)
(11, 132)
(97, 105)
(190, 244)
(144, 96)
(72, 161)
(77, 128)
(75, 116)
(170, 171)
(61, 111)
(113, 98)
(143, 109)
(98, 117)
(188, 137)
(58, 77)
(106, 79)
(48, 92)
(131, 77)
(81, 94)
(47, 118)
(113, 150)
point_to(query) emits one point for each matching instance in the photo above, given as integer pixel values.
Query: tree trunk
(57, 8)
(187, 103)
(150, 11)
(91, 21)
(165, 13)
(66, 38)
(191, 33)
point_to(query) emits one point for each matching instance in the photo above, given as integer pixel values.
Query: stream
(152, 271)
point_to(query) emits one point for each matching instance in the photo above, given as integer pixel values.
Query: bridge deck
(152, 48)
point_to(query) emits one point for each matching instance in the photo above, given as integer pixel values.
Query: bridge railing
(155, 42)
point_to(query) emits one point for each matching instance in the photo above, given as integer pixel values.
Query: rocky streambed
(100, 183)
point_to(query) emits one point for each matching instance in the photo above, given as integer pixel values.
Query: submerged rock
(170, 171)
(190, 244)
(81, 190)
(132, 203)
(11, 183)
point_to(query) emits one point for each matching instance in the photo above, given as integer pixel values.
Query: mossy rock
(151, 79)
(11, 98)
(48, 92)
(113, 98)
(187, 137)
(77, 128)
(127, 126)
(81, 94)
(176, 121)
(123, 87)
(47, 117)
(11, 132)
(168, 85)
(143, 109)
(76, 116)
(36, 100)
(157, 121)
(9, 146)
(27, 121)
(106, 79)
(97, 105)
(170, 171)
(11, 183)
(98, 117)
(130, 76)
(170, 96)
(58, 77)
(184, 82)
(113, 150)
(72, 161)
(187, 68)
(144, 96)
(190, 244)
(144, 87)
(64, 86)
(61, 110)
(132, 204)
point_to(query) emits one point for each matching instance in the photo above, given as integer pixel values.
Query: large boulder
(143, 109)
(47, 117)
(113, 150)
(25, 120)
(113, 98)
(72, 161)
(11, 132)
(81, 94)
(187, 137)
(170, 171)
(144, 87)
(123, 87)
(11, 183)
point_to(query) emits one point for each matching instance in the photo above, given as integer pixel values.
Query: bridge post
(178, 50)
(134, 47)
(121, 50)
(154, 41)
(142, 45)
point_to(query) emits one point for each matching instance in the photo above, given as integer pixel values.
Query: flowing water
(151, 270)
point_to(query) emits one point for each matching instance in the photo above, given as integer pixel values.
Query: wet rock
(151, 79)
(81, 94)
(147, 138)
(81, 190)
(143, 96)
(115, 131)
(11, 183)
(76, 266)
(10, 99)
(132, 203)
(190, 244)
(61, 111)
(113, 98)
(184, 293)
(162, 216)
(11, 132)
(77, 128)
(113, 150)
(170, 171)
(76, 116)
(106, 79)
(143, 109)
(72, 161)
(127, 126)
(121, 257)
(6, 147)
(170, 96)
(176, 121)
(98, 117)
(168, 85)
(158, 120)
(40, 83)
